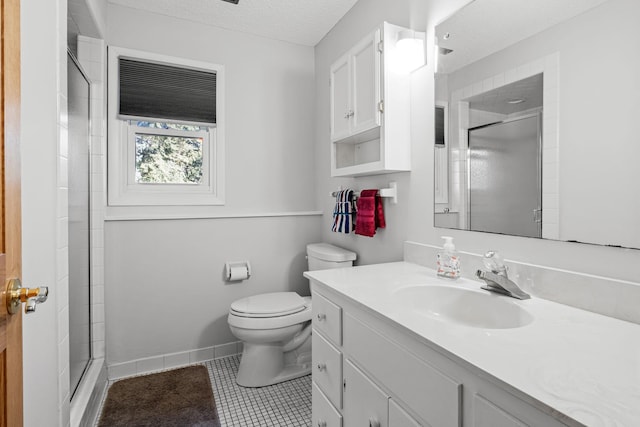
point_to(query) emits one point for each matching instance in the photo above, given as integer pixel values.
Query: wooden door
(10, 226)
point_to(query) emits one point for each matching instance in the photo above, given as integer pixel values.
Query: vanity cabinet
(370, 106)
(368, 371)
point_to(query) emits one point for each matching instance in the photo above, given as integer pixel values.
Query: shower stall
(505, 177)
(79, 224)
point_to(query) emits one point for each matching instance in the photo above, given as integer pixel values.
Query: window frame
(122, 189)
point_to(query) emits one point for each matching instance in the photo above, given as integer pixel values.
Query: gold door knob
(16, 295)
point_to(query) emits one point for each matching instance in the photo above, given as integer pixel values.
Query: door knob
(16, 295)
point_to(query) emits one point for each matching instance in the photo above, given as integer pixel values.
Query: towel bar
(391, 192)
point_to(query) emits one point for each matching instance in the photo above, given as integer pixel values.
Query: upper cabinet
(370, 97)
(355, 89)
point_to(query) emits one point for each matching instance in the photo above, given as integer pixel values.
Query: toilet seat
(268, 305)
(273, 321)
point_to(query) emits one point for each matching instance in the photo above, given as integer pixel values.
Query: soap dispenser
(448, 261)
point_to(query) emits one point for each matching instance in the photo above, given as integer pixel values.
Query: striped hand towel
(343, 212)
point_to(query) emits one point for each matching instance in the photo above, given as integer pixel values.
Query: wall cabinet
(372, 373)
(355, 89)
(370, 105)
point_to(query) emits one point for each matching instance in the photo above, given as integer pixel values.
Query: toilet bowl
(275, 328)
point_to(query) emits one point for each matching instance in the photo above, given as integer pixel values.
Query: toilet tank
(323, 256)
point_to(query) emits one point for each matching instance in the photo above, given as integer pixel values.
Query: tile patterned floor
(287, 404)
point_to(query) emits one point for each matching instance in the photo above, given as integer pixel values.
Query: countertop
(581, 364)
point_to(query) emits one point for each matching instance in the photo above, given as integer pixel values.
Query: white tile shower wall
(88, 396)
(603, 295)
(91, 55)
(62, 274)
(167, 361)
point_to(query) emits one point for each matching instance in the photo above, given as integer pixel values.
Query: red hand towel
(370, 213)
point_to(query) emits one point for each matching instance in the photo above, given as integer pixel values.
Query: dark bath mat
(181, 397)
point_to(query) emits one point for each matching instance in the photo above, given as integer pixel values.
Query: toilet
(275, 328)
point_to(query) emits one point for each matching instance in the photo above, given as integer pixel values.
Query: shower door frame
(539, 151)
(74, 388)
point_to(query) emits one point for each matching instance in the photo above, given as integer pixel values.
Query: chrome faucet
(497, 279)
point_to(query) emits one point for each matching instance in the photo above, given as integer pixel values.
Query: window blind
(161, 91)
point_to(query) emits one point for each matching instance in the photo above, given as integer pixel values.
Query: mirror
(536, 105)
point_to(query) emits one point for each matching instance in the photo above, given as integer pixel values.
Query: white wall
(164, 288)
(98, 12)
(44, 210)
(412, 218)
(164, 291)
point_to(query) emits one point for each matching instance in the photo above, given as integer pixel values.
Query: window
(168, 153)
(166, 141)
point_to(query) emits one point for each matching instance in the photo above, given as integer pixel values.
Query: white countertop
(584, 365)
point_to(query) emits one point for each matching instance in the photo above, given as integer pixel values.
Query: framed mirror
(536, 104)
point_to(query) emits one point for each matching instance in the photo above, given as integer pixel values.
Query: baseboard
(173, 360)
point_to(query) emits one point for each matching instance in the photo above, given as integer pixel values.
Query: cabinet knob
(349, 114)
(322, 423)
(373, 422)
(321, 317)
(322, 367)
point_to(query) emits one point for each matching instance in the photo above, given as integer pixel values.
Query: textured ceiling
(303, 22)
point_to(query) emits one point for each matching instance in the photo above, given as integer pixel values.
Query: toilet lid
(269, 305)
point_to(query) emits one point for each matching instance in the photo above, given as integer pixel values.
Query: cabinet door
(340, 99)
(398, 417)
(364, 403)
(365, 77)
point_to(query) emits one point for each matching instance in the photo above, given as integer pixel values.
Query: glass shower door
(79, 224)
(505, 188)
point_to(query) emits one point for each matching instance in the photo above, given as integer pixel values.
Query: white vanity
(395, 346)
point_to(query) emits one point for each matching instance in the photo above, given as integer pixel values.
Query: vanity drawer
(327, 368)
(327, 318)
(433, 396)
(323, 414)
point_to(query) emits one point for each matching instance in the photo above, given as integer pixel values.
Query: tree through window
(168, 153)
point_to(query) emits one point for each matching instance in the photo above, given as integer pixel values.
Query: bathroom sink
(467, 307)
